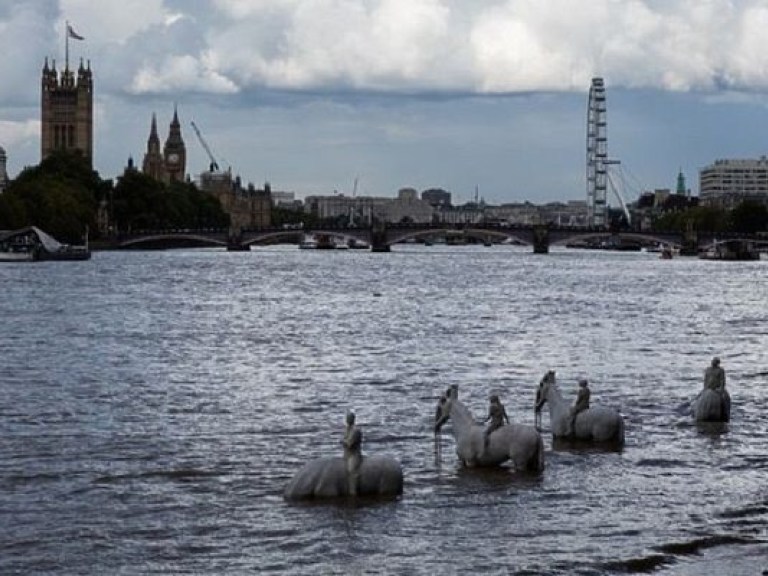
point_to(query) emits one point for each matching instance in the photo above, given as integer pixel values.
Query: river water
(154, 404)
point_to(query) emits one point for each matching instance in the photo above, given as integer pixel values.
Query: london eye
(598, 164)
(597, 155)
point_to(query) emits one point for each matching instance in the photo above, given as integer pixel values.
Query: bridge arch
(180, 240)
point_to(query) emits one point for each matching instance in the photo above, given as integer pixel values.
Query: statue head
(350, 418)
(494, 398)
(715, 361)
(583, 382)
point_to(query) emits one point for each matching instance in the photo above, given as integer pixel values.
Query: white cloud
(14, 133)
(113, 21)
(483, 46)
(492, 46)
(180, 73)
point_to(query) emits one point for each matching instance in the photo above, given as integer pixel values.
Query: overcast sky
(312, 95)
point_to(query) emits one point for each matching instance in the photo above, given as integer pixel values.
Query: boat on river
(30, 244)
(308, 243)
(732, 250)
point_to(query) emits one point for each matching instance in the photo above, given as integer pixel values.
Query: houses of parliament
(67, 124)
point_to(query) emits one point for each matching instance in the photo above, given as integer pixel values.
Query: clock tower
(175, 153)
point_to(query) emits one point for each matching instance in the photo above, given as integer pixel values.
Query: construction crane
(214, 165)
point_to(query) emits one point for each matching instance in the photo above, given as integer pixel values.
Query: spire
(153, 142)
(681, 183)
(174, 136)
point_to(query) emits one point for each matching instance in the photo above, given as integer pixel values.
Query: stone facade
(247, 207)
(66, 111)
(170, 164)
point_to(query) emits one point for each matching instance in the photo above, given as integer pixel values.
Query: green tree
(702, 218)
(59, 196)
(139, 202)
(136, 200)
(13, 212)
(749, 217)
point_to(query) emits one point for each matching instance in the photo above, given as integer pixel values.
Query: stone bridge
(380, 237)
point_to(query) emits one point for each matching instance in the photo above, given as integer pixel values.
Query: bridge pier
(235, 241)
(690, 244)
(541, 239)
(379, 237)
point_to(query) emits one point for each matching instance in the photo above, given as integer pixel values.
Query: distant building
(3, 170)
(66, 111)
(727, 183)
(352, 210)
(436, 197)
(361, 210)
(469, 213)
(170, 164)
(513, 213)
(571, 213)
(284, 199)
(247, 207)
(407, 207)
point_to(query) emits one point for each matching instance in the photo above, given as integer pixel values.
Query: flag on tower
(72, 34)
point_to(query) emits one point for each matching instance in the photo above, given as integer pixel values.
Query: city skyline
(491, 95)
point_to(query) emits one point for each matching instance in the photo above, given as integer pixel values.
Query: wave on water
(668, 554)
(697, 545)
(181, 474)
(642, 565)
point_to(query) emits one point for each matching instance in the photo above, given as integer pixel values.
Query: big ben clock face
(173, 158)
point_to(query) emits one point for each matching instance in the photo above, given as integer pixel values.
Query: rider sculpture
(713, 403)
(518, 443)
(353, 457)
(714, 376)
(580, 404)
(353, 475)
(581, 421)
(497, 415)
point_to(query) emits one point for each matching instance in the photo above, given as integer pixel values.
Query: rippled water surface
(154, 404)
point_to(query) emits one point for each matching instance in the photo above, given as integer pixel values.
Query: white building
(360, 210)
(727, 183)
(286, 199)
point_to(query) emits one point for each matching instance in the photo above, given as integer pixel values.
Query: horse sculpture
(516, 442)
(597, 424)
(711, 406)
(327, 478)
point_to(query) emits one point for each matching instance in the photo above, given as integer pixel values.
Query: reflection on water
(154, 404)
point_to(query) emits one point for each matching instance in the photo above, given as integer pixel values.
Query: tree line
(65, 197)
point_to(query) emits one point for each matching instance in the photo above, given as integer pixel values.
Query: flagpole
(66, 46)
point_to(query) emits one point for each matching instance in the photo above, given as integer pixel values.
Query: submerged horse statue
(598, 424)
(379, 475)
(516, 442)
(711, 406)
